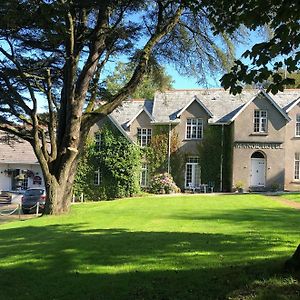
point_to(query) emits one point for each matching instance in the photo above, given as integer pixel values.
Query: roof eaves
(292, 105)
(165, 122)
(276, 105)
(243, 108)
(114, 121)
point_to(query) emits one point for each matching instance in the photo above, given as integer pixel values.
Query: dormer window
(194, 129)
(260, 121)
(144, 136)
(297, 132)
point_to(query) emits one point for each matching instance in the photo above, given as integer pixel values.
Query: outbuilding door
(258, 170)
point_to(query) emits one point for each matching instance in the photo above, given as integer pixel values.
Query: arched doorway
(258, 169)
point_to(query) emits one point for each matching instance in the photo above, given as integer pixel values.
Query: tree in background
(156, 80)
(55, 52)
(267, 58)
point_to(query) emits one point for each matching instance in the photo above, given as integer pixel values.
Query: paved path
(287, 202)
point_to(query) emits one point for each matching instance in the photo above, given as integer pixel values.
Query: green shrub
(163, 184)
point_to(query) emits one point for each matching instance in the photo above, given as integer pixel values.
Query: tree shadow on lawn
(69, 262)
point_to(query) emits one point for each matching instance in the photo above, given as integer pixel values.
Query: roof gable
(195, 99)
(280, 110)
(139, 112)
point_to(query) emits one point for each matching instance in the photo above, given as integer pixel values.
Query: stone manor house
(263, 144)
(258, 144)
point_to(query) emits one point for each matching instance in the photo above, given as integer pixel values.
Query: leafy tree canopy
(156, 79)
(55, 51)
(265, 58)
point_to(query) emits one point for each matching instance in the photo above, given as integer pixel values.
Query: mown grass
(181, 247)
(293, 197)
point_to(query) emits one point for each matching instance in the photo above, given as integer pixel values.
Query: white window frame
(297, 166)
(98, 141)
(192, 164)
(97, 177)
(194, 129)
(260, 121)
(144, 175)
(144, 136)
(297, 126)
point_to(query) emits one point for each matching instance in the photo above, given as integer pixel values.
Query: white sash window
(260, 121)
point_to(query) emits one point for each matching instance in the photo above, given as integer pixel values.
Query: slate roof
(16, 151)
(129, 109)
(218, 102)
(223, 106)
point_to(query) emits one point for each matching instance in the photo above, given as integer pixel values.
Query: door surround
(258, 169)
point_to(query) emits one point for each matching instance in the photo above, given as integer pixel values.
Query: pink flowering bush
(163, 184)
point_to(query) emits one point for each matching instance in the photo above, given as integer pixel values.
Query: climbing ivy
(119, 163)
(157, 154)
(211, 153)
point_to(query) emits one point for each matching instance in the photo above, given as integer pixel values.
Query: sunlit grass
(181, 247)
(293, 197)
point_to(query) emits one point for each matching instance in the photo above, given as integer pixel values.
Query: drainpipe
(169, 147)
(221, 159)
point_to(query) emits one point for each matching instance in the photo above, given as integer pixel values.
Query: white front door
(258, 172)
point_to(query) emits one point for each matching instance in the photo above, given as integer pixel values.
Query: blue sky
(181, 82)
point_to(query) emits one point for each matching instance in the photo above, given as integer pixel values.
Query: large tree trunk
(293, 263)
(59, 175)
(58, 195)
(60, 191)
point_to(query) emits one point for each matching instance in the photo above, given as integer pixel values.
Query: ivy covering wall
(228, 158)
(210, 152)
(118, 162)
(157, 154)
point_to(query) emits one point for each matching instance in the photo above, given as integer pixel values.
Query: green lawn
(181, 247)
(293, 197)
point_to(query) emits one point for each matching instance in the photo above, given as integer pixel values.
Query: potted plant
(239, 185)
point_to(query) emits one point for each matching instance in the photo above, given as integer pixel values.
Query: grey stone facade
(263, 157)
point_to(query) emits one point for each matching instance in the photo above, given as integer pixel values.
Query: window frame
(98, 141)
(144, 136)
(194, 130)
(297, 166)
(97, 180)
(144, 175)
(258, 123)
(192, 172)
(297, 125)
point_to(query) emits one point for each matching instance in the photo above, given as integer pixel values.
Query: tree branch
(139, 72)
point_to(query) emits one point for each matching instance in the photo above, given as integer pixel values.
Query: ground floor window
(192, 172)
(97, 177)
(297, 166)
(144, 175)
(19, 180)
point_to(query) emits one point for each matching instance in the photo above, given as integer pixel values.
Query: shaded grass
(189, 247)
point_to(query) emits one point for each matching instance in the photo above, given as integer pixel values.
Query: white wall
(6, 181)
